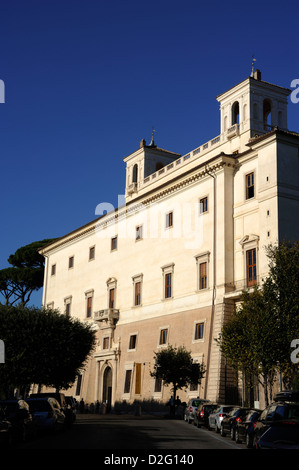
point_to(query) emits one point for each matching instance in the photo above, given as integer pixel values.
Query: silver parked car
(191, 408)
(217, 416)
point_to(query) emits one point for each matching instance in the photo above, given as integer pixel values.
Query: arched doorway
(107, 388)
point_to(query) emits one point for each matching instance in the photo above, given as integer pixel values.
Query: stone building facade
(169, 264)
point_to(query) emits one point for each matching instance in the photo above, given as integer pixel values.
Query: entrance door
(107, 388)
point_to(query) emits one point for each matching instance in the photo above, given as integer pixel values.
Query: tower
(253, 106)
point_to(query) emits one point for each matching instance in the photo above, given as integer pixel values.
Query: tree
(256, 340)
(43, 347)
(175, 366)
(25, 275)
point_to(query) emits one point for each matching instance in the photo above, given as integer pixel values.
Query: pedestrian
(97, 407)
(81, 406)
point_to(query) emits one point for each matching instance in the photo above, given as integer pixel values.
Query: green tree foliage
(256, 340)
(175, 367)
(43, 347)
(25, 275)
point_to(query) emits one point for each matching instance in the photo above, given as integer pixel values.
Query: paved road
(112, 433)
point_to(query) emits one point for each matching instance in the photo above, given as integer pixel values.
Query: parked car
(245, 428)
(6, 436)
(191, 408)
(18, 414)
(274, 414)
(60, 397)
(201, 416)
(217, 416)
(229, 422)
(287, 395)
(47, 413)
(282, 435)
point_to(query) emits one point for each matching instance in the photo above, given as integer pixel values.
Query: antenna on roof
(252, 66)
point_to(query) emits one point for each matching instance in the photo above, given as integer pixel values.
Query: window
(67, 305)
(163, 336)
(235, 113)
(92, 252)
(169, 219)
(71, 262)
(137, 378)
(106, 342)
(132, 342)
(202, 261)
(135, 174)
(199, 331)
(168, 285)
(203, 205)
(78, 386)
(139, 232)
(89, 302)
(158, 385)
(168, 281)
(113, 243)
(89, 307)
(111, 297)
(128, 377)
(137, 293)
(53, 269)
(203, 276)
(250, 185)
(251, 267)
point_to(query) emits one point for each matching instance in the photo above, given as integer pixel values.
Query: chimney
(257, 75)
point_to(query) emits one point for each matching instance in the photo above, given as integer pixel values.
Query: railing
(242, 284)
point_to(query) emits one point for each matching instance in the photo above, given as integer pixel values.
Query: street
(127, 432)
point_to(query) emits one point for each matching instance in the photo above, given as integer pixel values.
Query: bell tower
(253, 106)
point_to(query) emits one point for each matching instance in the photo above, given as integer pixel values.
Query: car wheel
(222, 433)
(249, 441)
(217, 429)
(232, 434)
(238, 440)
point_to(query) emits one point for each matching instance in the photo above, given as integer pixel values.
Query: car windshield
(39, 405)
(195, 402)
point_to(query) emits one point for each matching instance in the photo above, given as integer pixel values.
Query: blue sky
(86, 80)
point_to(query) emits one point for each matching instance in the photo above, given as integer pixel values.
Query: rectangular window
(53, 269)
(168, 285)
(250, 185)
(89, 307)
(71, 262)
(91, 252)
(139, 234)
(128, 381)
(137, 296)
(199, 330)
(203, 205)
(203, 275)
(111, 298)
(113, 243)
(68, 309)
(163, 336)
(138, 378)
(169, 219)
(251, 267)
(132, 342)
(106, 342)
(158, 385)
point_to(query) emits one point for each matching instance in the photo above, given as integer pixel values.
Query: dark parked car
(201, 416)
(245, 428)
(229, 422)
(6, 437)
(60, 397)
(18, 414)
(274, 414)
(47, 414)
(287, 395)
(282, 435)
